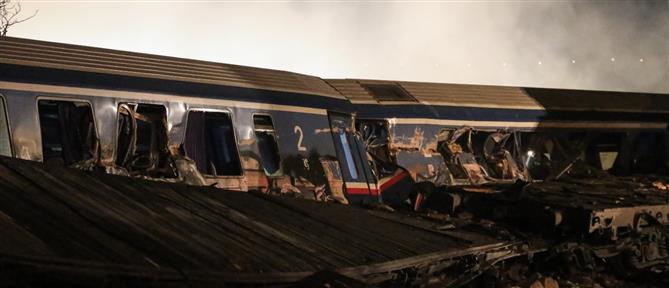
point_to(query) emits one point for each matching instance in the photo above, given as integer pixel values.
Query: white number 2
(298, 129)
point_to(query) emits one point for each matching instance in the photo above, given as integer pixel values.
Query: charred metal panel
(335, 182)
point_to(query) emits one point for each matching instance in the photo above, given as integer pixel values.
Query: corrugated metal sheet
(511, 97)
(65, 221)
(88, 59)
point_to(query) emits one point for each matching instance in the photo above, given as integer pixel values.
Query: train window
(343, 138)
(388, 92)
(5, 144)
(267, 144)
(376, 138)
(210, 142)
(68, 131)
(142, 140)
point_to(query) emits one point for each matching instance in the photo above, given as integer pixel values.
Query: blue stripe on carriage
(372, 111)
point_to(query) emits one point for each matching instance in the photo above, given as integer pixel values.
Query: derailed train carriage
(571, 160)
(204, 124)
(143, 115)
(586, 169)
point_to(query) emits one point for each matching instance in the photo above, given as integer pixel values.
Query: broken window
(210, 142)
(388, 92)
(502, 158)
(556, 153)
(348, 155)
(376, 139)
(141, 145)
(68, 131)
(5, 144)
(456, 148)
(267, 144)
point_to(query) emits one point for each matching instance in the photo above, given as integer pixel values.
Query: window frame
(348, 154)
(118, 114)
(64, 99)
(3, 100)
(234, 132)
(279, 172)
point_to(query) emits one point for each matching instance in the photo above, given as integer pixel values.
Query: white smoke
(538, 44)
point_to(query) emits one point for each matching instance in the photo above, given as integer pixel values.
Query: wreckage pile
(559, 182)
(583, 214)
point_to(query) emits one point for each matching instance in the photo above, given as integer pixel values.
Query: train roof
(42, 54)
(363, 91)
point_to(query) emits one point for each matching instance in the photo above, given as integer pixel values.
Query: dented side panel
(416, 150)
(304, 139)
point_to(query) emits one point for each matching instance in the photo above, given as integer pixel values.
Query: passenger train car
(347, 140)
(453, 134)
(202, 123)
(586, 171)
(496, 151)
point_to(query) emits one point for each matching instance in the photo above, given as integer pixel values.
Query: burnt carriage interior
(376, 139)
(621, 153)
(483, 155)
(142, 140)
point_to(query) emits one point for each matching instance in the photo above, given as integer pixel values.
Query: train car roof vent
(388, 92)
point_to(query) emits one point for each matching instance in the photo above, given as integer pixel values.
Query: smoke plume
(603, 45)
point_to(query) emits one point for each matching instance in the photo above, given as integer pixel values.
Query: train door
(394, 182)
(360, 186)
